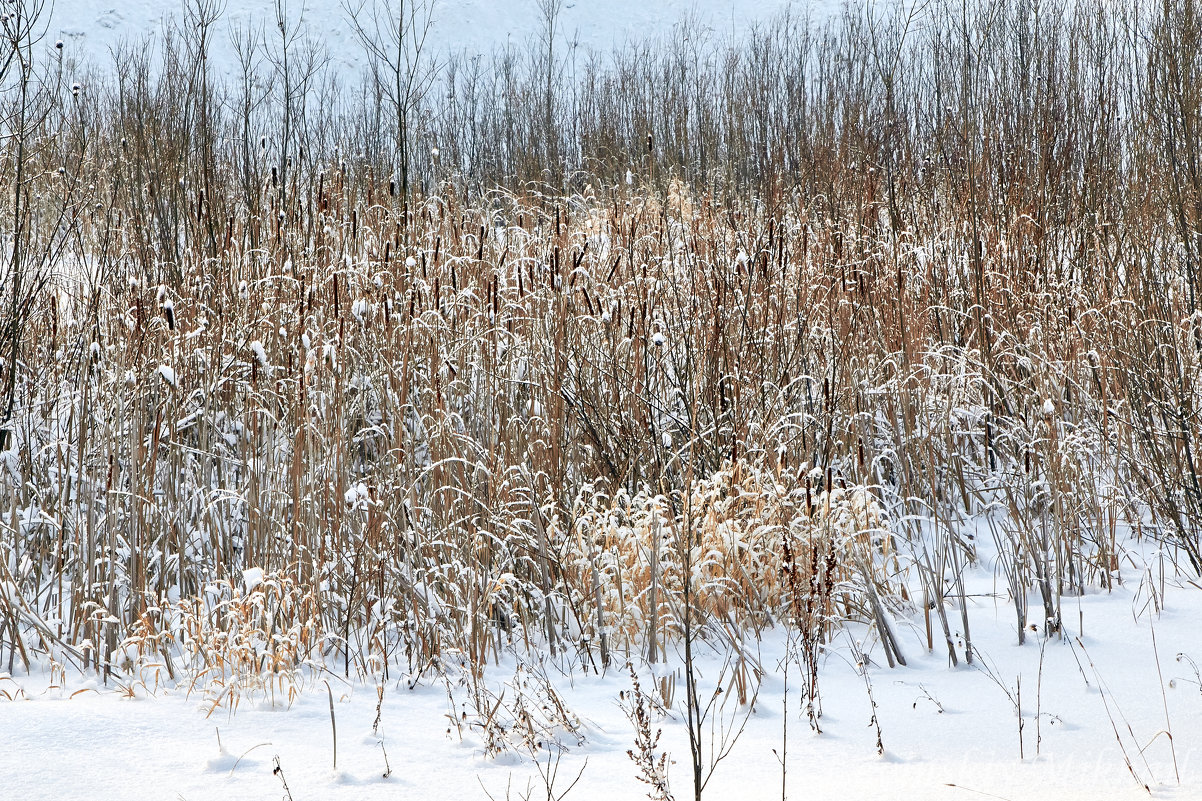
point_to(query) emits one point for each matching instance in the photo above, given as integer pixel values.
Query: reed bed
(848, 299)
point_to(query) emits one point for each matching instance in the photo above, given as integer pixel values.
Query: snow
(252, 577)
(260, 354)
(91, 31)
(1090, 701)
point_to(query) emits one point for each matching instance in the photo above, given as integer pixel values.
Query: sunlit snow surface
(91, 29)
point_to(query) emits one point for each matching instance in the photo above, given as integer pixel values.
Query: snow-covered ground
(90, 29)
(1091, 703)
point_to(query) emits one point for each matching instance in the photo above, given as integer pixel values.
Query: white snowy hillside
(93, 28)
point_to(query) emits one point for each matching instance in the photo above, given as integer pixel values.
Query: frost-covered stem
(17, 27)
(543, 564)
(784, 725)
(281, 15)
(931, 578)
(598, 601)
(959, 571)
(550, 10)
(653, 593)
(695, 713)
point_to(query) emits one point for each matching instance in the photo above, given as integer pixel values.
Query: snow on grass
(1091, 702)
(167, 373)
(252, 577)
